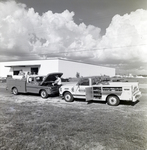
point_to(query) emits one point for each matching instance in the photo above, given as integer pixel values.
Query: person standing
(57, 81)
(22, 74)
(27, 76)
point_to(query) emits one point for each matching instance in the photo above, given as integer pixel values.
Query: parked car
(2, 79)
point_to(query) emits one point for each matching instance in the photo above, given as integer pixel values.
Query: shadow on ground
(104, 102)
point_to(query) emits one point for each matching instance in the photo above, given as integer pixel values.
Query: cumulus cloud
(125, 41)
(24, 34)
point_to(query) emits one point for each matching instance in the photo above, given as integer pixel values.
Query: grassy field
(28, 122)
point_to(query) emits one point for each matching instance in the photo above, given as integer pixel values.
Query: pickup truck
(111, 92)
(36, 84)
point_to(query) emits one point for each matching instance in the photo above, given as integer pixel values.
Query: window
(39, 79)
(31, 79)
(84, 82)
(34, 70)
(16, 72)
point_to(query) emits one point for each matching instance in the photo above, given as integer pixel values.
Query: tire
(15, 91)
(68, 97)
(43, 94)
(113, 100)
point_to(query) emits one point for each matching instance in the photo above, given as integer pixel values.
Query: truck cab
(35, 79)
(77, 89)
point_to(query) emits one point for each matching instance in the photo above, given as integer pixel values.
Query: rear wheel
(68, 97)
(15, 91)
(113, 100)
(43, 94)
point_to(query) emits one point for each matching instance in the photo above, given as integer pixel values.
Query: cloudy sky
(103, 32)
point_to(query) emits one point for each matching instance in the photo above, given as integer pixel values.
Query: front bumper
(136, 96)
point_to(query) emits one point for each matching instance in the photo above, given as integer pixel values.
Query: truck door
(32, 86)
(89, 95)
(81, 87)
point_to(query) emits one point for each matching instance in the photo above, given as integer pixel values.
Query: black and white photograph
(73, 75)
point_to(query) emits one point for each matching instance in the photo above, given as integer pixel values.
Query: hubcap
(112, 100)
(67, 97)
(14, 90)
(43, 94)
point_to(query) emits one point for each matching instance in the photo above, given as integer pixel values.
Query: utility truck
(93, 89)
(36, 84)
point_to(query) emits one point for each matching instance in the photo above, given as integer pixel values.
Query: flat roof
(23, 65)
(52, 58)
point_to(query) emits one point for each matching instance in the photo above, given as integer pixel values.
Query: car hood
(51, 77)
(69, 84)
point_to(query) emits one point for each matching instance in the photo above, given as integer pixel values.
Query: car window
(94, 81)
(39, 79)
(84, 82)
(31, 79)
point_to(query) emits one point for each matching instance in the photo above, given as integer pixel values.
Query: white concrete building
(43, 67)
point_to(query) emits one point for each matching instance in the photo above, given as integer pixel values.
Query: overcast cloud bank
(24, 34)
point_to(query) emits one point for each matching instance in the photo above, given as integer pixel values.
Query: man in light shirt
(57, 81)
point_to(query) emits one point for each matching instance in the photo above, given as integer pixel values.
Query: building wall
(4, 71)
(70, 69)
(46, 66)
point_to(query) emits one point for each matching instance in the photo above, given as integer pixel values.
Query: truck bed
(19, 84)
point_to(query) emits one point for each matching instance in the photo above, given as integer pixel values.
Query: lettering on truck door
(81, 87)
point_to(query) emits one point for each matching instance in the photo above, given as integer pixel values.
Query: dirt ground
(28, 122)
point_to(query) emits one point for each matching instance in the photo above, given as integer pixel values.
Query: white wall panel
(71, 68)
(48, 66)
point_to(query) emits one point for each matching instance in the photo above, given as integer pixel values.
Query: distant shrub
(77, 75)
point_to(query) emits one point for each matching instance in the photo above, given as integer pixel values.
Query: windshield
(39, 78)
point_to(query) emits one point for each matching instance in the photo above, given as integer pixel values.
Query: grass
(29, 123)
(70, 126)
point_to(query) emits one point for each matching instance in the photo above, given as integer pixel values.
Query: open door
(89, 94)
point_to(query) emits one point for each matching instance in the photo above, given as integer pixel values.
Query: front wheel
(15, 91)
(113, 100)
(43, 94)
(68, 97)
